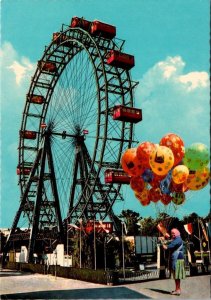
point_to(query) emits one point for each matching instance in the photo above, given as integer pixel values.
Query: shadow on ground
(160, 291)
(99, 293)
(12, 273)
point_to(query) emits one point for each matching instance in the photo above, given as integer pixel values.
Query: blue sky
(170, 42)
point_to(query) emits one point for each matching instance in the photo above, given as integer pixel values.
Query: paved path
(17, 285)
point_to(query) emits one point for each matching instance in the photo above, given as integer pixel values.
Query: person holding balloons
(177, 266)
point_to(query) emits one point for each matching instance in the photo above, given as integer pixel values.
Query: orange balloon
(143, 197)
(137, 184)
(197, 180)
(130, 163)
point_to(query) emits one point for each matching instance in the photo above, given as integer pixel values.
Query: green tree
(192, 218)
(131, 220)
(148, 227)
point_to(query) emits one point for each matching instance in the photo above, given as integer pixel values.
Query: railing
(139, 275)
(145, 275)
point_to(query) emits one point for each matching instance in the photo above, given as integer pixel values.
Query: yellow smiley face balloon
(161, 160)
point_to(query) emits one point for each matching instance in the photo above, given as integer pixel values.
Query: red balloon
(143, 153)
(145, 203)
(182, 187)
(155, 194)
(176, 144)
(155, 183)
(166, 199)
(137, 184)
(130, 163)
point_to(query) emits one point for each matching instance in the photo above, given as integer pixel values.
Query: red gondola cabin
(127, 114)
(116, 176)
(121, 60)
(80, 22)
(23, 170)
(103, 29)
(47, 66)
(59, 37)
(37, 99)
(27, 134)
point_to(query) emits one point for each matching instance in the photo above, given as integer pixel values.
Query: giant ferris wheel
(77, 121)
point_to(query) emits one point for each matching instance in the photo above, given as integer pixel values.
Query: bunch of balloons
(165, 171)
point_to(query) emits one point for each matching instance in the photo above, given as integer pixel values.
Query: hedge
(96, 276)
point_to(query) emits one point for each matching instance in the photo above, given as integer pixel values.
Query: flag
(188, 228)
(98, 226)
(163, 230)
(103, 226)
(69, 226)
(85, 131)
(124, 226)
(208, 228)
(203, 230)
(89, 227)
(43, 125)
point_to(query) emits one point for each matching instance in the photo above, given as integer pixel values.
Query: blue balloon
(165, 183)
(147, 175)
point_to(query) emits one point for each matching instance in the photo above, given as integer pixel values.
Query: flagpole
(200, 243)
(95, 247)
(123, 251)
(208, 241)
(80, 241)
(67, 246)
(105, 253)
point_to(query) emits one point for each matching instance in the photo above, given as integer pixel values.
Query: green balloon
(196, 156)
(178, 198)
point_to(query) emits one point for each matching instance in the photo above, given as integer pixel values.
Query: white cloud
(16, 72)
(16, 69)
(174, 101)
(194, 80)
(21, 70)
(170, 66)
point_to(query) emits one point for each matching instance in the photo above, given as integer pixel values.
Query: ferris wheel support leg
(36, 213)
